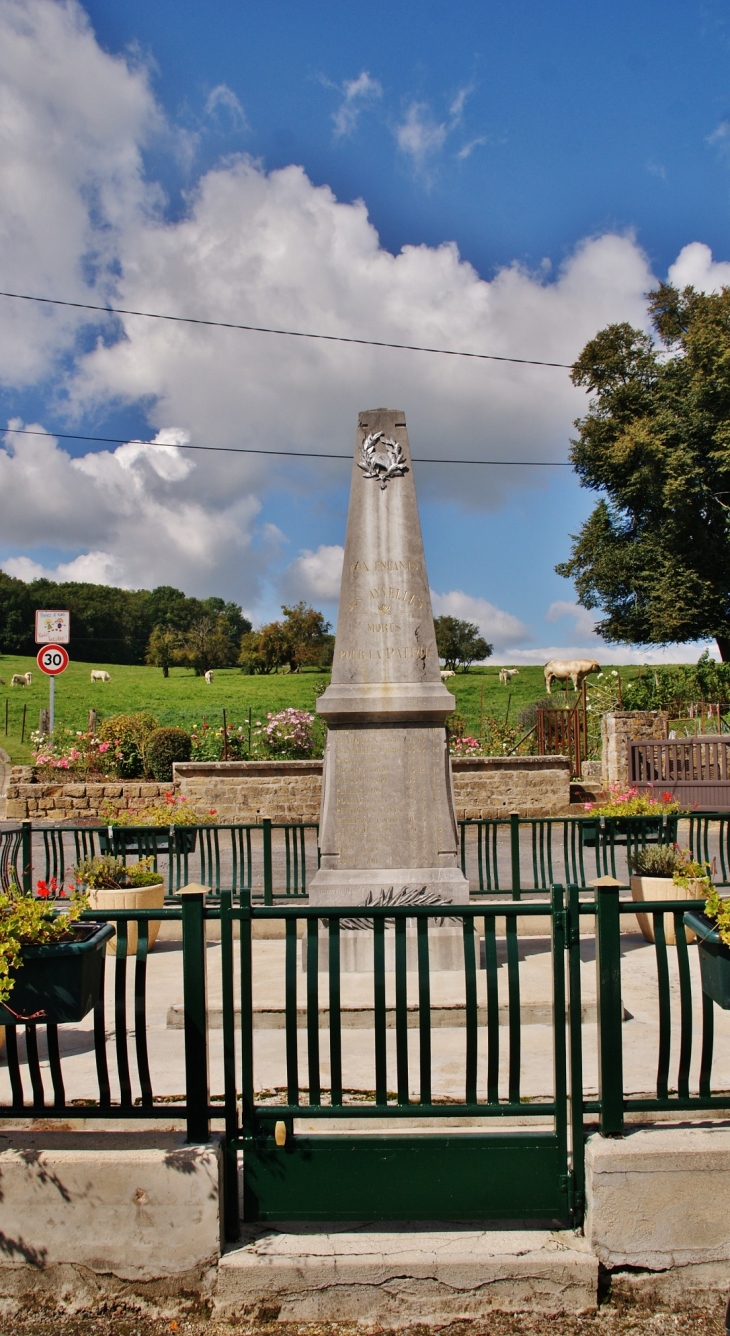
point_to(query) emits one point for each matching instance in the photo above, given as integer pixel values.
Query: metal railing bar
(140, 1012)
(490, 971)
(54, 1063)
(470, 1000)
(559, 944)
(231, 1202)
(387, 1110)
(315, 1091)
(513, 994)
(245, 965)
(685, 1007)
(424, 1012)
(34, 1067)
(102, 1065)
(335, 1017)
(16, 1080)
(665, 1017)
(381, 1052)
(575, 1048)
(401, 1011)
(120, 1014)
(290, 1011)
(708, 1034)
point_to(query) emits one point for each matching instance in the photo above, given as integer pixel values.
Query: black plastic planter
(146, 841)
(60, 981)
(714, 958)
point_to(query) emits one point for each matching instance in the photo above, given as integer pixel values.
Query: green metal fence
(510, 1155)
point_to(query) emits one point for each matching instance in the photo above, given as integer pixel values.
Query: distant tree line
(110, 625)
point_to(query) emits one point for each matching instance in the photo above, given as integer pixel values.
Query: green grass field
(185, 700)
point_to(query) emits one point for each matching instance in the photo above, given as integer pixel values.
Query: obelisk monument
(388, 829)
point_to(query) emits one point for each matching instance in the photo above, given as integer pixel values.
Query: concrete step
(363, 1018)
(398, 1276)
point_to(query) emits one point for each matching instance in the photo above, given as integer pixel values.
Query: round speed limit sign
(52, 659)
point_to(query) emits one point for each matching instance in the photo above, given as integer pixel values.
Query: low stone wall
(73, 802)
(248, 791)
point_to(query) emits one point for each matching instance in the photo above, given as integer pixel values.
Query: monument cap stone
(386, 661)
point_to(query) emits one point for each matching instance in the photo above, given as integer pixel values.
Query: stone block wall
(248, 791)
(73, 802)
(617, 731)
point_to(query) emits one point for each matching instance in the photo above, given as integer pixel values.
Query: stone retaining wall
(247, 791)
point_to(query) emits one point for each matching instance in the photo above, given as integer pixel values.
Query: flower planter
(714, 958)
(59, 982)
(629, 830)
(663, 888)
(145, 840)
(132, 897)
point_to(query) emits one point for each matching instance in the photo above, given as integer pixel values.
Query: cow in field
(21, 679)
(100, 675)
(575, 670)
(506, 675)
(209, 677)
(447, 672)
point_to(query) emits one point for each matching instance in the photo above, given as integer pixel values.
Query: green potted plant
(636, 818)
(159, 828)
(110, 884)
(666, 872)
(50, 963)
(712, 927)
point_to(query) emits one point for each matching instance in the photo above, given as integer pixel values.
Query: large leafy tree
(459, 643)
(654, 556)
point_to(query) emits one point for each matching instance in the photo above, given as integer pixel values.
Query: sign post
(52, 660)
(52, 629)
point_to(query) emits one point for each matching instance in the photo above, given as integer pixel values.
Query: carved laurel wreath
(408, 895)
(375, 464)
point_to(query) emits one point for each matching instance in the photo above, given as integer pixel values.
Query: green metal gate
(486, 1168)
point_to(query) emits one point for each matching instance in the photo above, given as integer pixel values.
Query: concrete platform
(395, 1277)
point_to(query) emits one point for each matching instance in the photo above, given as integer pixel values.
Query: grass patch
(184, 699)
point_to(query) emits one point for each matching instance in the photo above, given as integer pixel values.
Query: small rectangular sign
(52, 627)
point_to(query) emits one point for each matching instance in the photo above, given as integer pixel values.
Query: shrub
(291, 733)
(130, 733)
(164, 747)
(79, 755)
(104, 872)
(655, 860)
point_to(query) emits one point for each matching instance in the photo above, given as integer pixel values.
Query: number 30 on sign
(52, 659)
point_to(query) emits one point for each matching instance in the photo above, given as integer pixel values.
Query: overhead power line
(288, 333)
(293, 454)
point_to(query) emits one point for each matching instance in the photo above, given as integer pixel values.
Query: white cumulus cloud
(584, 621)
(498, 627)
(315, 575)
(695, 266)
(356, 95)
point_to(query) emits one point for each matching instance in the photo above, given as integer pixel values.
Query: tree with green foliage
(654, 555)
(163, 648)
(108, 625)
(207, 643)
(459, 643)
(300, 640)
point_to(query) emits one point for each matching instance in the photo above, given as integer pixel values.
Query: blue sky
(504, 177)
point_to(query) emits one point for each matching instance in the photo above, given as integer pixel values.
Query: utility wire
(290, 333)
(294, 454)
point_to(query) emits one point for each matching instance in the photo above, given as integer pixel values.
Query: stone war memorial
(388, 831)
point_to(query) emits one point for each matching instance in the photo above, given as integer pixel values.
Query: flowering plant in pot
(111, 884)
(712, 927)
(666, 872)
(136, 832)
(50, 963)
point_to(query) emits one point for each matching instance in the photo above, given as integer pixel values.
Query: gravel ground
(610, 1320)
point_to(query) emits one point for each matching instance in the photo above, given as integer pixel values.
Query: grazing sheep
(99, 675)
(577, 670)
(21, 679)
(209, 677)
(447, 672)
(506, 675)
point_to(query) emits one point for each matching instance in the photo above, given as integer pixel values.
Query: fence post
(26, 840)
(197, 1077)
(609, 1007)
(514, 831)
(268, 873)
